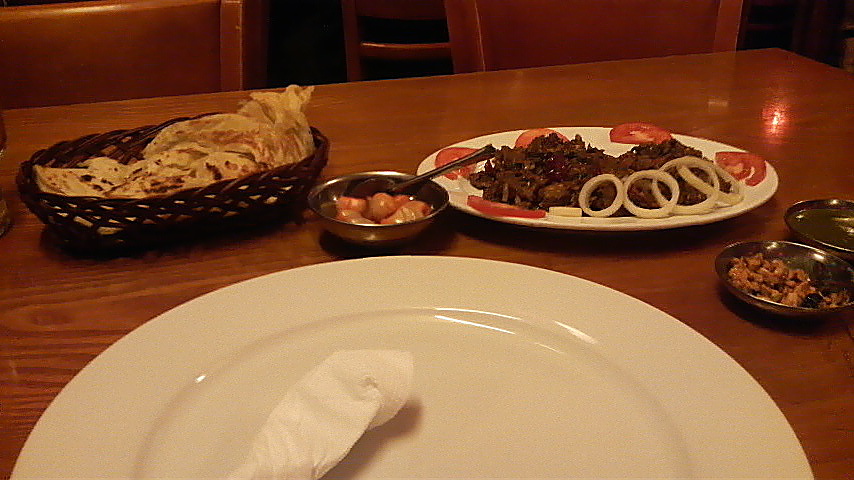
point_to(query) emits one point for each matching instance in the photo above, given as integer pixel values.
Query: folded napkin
(326, 412)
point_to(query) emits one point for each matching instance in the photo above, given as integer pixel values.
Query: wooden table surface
(57, 311)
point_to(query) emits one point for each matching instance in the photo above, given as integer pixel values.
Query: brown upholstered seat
(358, 48)
(500, 34)
(65, 53)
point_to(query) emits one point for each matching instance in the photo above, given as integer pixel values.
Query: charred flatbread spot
(217, 174)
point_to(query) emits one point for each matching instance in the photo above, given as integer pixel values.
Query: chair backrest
(63, 53)
(358, 48)
(501, 34)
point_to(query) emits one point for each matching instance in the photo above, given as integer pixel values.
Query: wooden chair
(501, 34)
(358, 48)
(63, 53)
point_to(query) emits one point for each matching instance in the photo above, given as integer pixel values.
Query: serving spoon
(373, 185)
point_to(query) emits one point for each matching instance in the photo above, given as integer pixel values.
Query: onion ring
(683, 166)
(700, 163)
(733, 197)
(727, 198)
(588, 188)
(656, 176)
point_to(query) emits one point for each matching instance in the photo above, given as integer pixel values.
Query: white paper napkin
(326, 412)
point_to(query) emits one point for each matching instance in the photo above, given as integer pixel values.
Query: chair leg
(354, 68)
(352, 34)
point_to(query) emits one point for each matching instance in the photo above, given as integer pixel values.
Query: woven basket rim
(36, 157)
(284, 188)
(30, 172)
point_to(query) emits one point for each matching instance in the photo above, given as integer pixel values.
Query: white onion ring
(700, 163)
(727, 198)
(588, 188)
(654, 175)
(683, 166)
(733, 197)
(711, 197)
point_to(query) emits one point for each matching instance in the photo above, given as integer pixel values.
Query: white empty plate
(519, 373)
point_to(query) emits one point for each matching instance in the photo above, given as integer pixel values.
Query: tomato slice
(448, 155)
(497, 209)
(527, 137)
(738, 169)
(743, 166)
(639, 132)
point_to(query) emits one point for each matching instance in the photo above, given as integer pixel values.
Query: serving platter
(459, 189)
(570, 379)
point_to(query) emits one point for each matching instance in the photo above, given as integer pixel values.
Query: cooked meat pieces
(653, 155)
(551, 171)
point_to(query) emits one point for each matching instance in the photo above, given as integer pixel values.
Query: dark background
(307, 42)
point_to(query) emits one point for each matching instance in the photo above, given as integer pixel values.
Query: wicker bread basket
(90, 224)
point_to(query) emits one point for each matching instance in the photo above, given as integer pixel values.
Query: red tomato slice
(448, 155)
(743, 166)
(527, 137)
(734, 166)
(502, 209)
(639, 132)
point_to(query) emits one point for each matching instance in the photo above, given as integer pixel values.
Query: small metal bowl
(321, 199)
(807, 237)
(825, 271)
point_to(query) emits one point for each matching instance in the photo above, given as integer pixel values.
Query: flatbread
(286, 113)
(94, 178)
(228, 132)
(270, 130)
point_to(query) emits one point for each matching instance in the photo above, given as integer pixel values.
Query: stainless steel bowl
(825, 271)
(321, 199)
(807, 237)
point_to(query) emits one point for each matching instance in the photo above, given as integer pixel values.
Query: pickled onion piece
(683, 166)
(353, 216)
(656, 176)
(590, 186)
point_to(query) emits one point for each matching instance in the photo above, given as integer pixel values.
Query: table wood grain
(57, 311)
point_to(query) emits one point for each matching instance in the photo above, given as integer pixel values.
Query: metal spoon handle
(474, 157)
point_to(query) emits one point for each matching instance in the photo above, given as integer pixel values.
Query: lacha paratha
(94, 178)
(269, 130)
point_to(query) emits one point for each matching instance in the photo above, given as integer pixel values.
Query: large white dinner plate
(519, 373)
(459, 189)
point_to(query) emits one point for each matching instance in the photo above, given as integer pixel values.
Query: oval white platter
(459, 189)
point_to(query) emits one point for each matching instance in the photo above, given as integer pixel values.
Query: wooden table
(58, 312)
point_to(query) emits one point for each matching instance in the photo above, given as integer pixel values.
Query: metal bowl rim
(770, 304)
(805, 205)
(315, 191)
